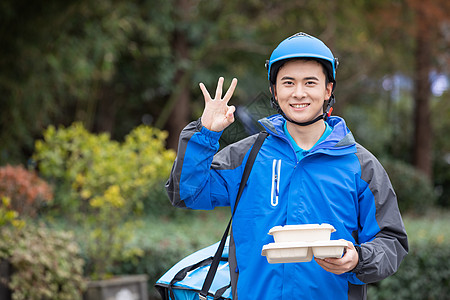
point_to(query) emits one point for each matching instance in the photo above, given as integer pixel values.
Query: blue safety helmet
(302, 45)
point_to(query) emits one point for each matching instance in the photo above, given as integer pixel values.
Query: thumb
(350, 245)
(230, 113)
(231, 110)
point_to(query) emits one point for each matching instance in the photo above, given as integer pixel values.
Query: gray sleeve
(173, 183)
(381, 257)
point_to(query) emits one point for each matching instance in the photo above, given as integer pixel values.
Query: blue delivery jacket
(337, 182)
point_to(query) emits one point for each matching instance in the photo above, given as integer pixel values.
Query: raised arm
(193, 177)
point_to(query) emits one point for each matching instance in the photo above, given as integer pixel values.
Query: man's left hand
(340, 265)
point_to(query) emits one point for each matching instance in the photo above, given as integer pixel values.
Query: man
(309, 170)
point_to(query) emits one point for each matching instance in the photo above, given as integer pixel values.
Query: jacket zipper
(276, 172)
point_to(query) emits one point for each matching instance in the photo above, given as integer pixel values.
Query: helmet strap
(324, 116)
(329, 109)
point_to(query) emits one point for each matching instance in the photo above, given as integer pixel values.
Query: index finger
(205, 92)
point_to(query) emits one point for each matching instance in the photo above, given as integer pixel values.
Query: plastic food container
(303, 252)
(287, 252)
(324, 249)
(302, 233)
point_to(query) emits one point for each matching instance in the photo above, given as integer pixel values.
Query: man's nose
(299, 91)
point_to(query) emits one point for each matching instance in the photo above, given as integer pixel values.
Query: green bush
(8, 216)
(154, 262)
(106, 184)
(45, 263)
(414, 191)
(107, 233)
(165, 241)
(84, 165)
(424, 274)
(441, 148)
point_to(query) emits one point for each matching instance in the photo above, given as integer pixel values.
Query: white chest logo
(276, 172)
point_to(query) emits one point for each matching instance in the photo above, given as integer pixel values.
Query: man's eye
(310, 83)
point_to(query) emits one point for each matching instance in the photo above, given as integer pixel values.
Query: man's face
(301, 90)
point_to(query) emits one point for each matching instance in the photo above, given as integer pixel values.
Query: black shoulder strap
(215, 263)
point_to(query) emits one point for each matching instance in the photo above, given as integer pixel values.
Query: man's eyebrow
(306, 78)
(311, 78)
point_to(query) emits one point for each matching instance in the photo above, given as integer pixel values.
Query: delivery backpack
(185, 279)
(205, 274)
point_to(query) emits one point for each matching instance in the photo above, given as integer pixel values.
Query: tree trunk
(180, 114)
(106, 110)
(423, 133)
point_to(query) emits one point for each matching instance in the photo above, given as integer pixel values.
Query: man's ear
(274, 94)
(329, 90)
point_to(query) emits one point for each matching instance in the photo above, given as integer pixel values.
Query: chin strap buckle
(330, 104)
(329, 112)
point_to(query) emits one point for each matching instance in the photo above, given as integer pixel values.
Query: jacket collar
(340, 138)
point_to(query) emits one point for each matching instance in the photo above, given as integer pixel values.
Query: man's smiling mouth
(299, 105)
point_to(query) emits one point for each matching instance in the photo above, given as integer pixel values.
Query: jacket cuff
(214, 136)
(360, 264)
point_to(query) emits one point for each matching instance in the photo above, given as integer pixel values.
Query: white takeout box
(302, 233)
(326, 249)
(302, 252)
(287, 252)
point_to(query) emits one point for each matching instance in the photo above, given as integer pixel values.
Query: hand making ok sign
(217, 115)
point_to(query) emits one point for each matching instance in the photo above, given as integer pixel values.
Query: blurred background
(93, 96)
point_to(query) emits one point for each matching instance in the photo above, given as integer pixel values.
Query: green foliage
(46, 264)
(107, 233)
(94, 62)
(9, 216)
(26, 191)
(423, 274)
(64, 155)
(86, 166)
(368, 125)
(441, 148)
(380, 126)
(106, 184)
(414, 190)
(379, 123)
(115, 60)
(165, 241)
(113, 64)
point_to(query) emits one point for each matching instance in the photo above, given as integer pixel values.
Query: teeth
(299, 105)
